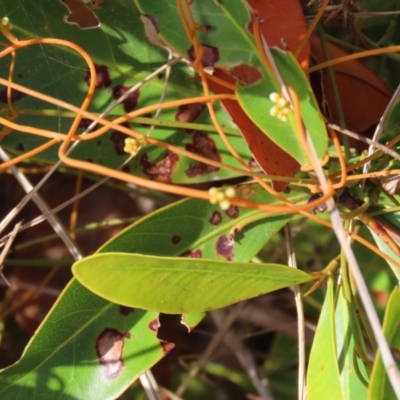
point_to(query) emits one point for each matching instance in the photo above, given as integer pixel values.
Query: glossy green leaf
(197, 228)
(66, 359)
(323, 376)
(232, 46)
(51, 360)
(351, 385)
(180, 285)
(255, 100)
(380, 387)
(120, 46)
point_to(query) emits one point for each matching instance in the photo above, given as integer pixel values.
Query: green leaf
(66, 359)
(51, 360)
(121, 47)
(255, 100)
(323, 375)
(180, 285)
(229, 37)
(197, 228)
(352, 387)
(380, 387)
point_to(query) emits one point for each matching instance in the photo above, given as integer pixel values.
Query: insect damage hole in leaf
(109, 348)
(80, 14)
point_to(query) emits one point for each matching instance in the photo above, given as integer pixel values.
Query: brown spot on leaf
(80, 15)
(125, 311)
(204, 146)
(85, 123)
(162, 171)
(189, 112)
(210, 55)
(109, 347)
(154, 325)
(167, 346)
(118, 138)
(216, 218)
(232, 212)
(246, 191)
(193, 253)
(15, 96)
(102, 76)
(20, 147)
(176, 239)
(246, 74)
(131, 101)
(224, 247)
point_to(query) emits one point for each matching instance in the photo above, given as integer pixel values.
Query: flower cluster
(222, 196)
(133, 145)
(281, 108)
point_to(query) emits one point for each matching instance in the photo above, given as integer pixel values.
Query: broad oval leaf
(180, 285)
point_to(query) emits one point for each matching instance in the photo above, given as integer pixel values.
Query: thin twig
(5, 251)
(366, 140)
(244, 356)
(300, 316)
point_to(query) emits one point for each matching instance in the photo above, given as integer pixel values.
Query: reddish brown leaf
(357, 86)
(282, 24)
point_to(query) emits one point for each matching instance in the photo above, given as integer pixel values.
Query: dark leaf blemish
(126, 168)
(20, 147)
(154, 325)
(118, 138)
(189, 112)
(167, 346)
(224, 247)
(125, 311)
(232, 212)
(204, 146)
(102, 77)
(162, 171)
(176, 239)
(15, 96)
(193, 254)
(109, 347)
(210, 55)
(85, 123)
(131, 101)
(216, 218)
